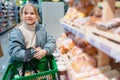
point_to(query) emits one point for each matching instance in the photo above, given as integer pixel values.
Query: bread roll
(83, 63)
(75, 50)
(90, 50)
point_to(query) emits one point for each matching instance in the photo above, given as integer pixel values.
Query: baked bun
(83, 62)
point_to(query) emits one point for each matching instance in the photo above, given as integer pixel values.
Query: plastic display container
(46, 66)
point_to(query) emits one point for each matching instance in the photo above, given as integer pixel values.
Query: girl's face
(29, 15)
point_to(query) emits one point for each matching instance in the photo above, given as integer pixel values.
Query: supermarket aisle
(52, 20)
(5, 58)
(55, 29)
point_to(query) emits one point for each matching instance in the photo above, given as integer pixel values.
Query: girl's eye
(25, 13)
(29, 13)
(32, 13)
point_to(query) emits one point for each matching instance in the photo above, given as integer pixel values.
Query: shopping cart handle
(31, 65)
(28, 54)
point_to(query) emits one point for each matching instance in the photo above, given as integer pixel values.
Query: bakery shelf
(105, 70)
(105, 41)
(79, 32)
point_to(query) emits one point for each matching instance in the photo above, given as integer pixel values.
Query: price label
(74, 31)
(116, 55)
(63, 25)
(66, 26)
(91, 40)
(81, 35)
(105, 48)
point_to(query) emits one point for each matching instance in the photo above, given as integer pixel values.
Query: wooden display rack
(108, 10)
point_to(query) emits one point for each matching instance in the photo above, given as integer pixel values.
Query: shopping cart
(46, 68)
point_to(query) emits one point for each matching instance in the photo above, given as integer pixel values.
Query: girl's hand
(38, 49)
(40, 53)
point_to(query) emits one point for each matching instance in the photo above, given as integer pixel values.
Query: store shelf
(73, 75)
(8, 18)
(79, 32)
(105, 41)
(6, 29)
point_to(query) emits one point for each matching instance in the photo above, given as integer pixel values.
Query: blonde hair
(34, 8)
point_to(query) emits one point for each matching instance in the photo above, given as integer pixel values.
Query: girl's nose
(29, 15)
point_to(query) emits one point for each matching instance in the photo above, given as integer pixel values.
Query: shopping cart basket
(46, 67)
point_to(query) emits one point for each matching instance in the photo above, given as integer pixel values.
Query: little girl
(30, 36)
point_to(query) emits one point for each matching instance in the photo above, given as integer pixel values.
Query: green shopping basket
(47, 70)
